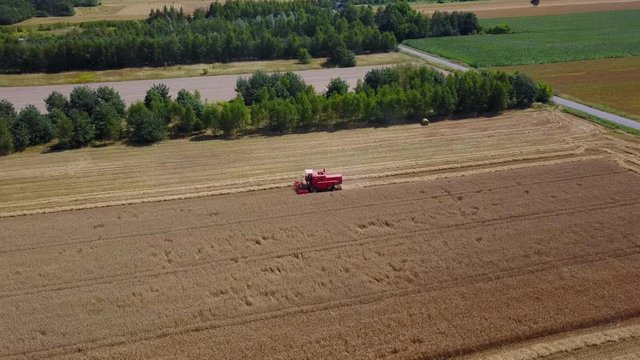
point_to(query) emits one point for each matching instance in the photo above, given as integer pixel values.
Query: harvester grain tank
(316, 181)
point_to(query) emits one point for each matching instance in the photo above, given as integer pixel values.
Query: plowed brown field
(614, 83)
(450, 240)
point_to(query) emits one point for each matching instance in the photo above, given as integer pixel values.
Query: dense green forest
(13, 11)
(233, 31)
(279, 102)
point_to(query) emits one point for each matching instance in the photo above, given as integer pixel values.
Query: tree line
(234, 31)
(13, 11)
(279, 102)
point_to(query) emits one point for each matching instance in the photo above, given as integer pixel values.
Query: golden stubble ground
(119, 10)
(458, 238)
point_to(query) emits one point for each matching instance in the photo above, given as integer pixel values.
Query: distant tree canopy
(13, 11)
(232, 31)
(280, 102)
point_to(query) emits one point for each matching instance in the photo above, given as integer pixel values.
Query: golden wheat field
(511, 237)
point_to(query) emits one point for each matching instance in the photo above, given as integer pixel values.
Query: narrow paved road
(558, 100)
(212, 88)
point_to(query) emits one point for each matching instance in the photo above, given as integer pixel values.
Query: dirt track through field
(501, 238)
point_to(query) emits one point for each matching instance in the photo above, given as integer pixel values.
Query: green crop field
(544, 39)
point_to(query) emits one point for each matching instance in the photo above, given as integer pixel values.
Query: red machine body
(315, 181)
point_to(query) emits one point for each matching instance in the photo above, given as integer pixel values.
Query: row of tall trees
(274, 102)
(233, 31)
(13, 11)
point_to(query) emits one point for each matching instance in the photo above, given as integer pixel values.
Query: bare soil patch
(513, 8)
(120, 10)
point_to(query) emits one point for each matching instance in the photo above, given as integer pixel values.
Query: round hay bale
(424, 122)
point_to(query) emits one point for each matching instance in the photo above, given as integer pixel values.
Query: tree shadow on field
(209, 137)
(470, 116)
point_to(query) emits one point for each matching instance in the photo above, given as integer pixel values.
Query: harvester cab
(316, 181)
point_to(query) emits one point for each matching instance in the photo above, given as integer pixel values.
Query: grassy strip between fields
(180, 71)
(600, 121)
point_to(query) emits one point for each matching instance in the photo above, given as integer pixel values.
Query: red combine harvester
(315, 181)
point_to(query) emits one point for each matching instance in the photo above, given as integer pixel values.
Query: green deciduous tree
(107, 121)
(63, 128)
(56, 100)
(157, 92)
(38, 126)
(524, 90)
(210, 114)
(234, 117)
(498, 99)
(83, 130)
(83, 98)
(342, 57)
(194, 109)
(144, 125)
(73, 131)
(7, 111)
(337, 86)
(6, 138)
(110, 96)
(303, 56)
(545, 92)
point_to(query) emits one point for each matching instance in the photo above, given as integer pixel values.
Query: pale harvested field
(465, 238)
(120, 10)
(512, 8)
